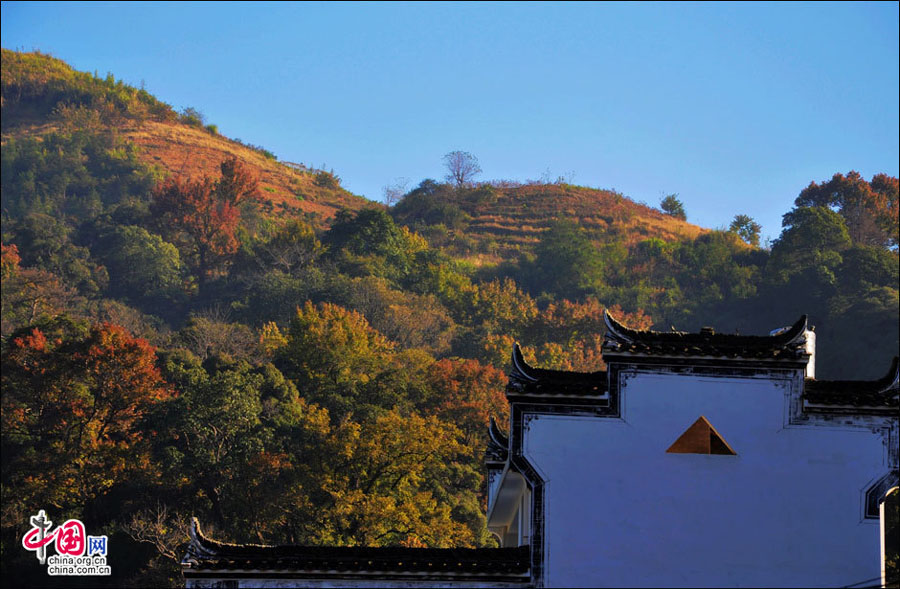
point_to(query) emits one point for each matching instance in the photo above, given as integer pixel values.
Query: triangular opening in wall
(701, 438)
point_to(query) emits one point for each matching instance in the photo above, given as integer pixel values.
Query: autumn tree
(870, 210)
(408, 319)
(74, 397)
(570, 334)
(204, 213)
(467, 394)
(394, 480)
(29, 294)
(211, 332)
(501, 307)
(166, 531)
(334, 355)
(293, 246)
(888, 190)
(462, 167)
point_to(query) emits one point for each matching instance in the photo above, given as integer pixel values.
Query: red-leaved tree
(73, 401)
(202, 214)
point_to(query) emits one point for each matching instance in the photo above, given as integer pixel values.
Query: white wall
(786, 511)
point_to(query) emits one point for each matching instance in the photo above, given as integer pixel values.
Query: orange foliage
(573, 334)
(204, 212)
(468, 393)
(870, 209)
(9, 260)
(72, 402)
(28, 293)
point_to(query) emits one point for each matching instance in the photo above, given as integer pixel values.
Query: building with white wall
(694, 459)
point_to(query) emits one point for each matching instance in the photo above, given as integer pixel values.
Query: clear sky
(735, 107)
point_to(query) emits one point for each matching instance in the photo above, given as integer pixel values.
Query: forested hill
(222, 335)
(115, 194)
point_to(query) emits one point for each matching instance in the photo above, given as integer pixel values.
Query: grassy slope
(522, 213)
(518, 216)
(188, 151)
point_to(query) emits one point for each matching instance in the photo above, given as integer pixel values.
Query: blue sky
(735, 107)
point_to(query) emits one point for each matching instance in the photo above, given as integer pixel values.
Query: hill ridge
(42, 94)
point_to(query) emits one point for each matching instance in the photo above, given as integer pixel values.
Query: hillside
(180, 149)
(42, 94)
(495, 222)
(83, 154)
(520, 214)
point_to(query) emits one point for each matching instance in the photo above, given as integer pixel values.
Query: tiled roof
(205, 555)
(787, 344)
(498, 444)
(525, 380)
(878, 395)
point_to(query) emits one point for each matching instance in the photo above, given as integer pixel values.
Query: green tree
(74, 176)
(567, 263)
(235, 428)
(430, 203)
(812, 240)
(45, 243)
(865, 267)
(673, 207)
(369, 242)
(746, 228)
(141, 264)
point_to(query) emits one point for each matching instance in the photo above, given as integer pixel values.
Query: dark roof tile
(525, 380)
(878, 395)
(787, 344)
(205, 554)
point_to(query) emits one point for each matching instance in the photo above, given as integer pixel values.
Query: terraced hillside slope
(520, 214)
(496, 221)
